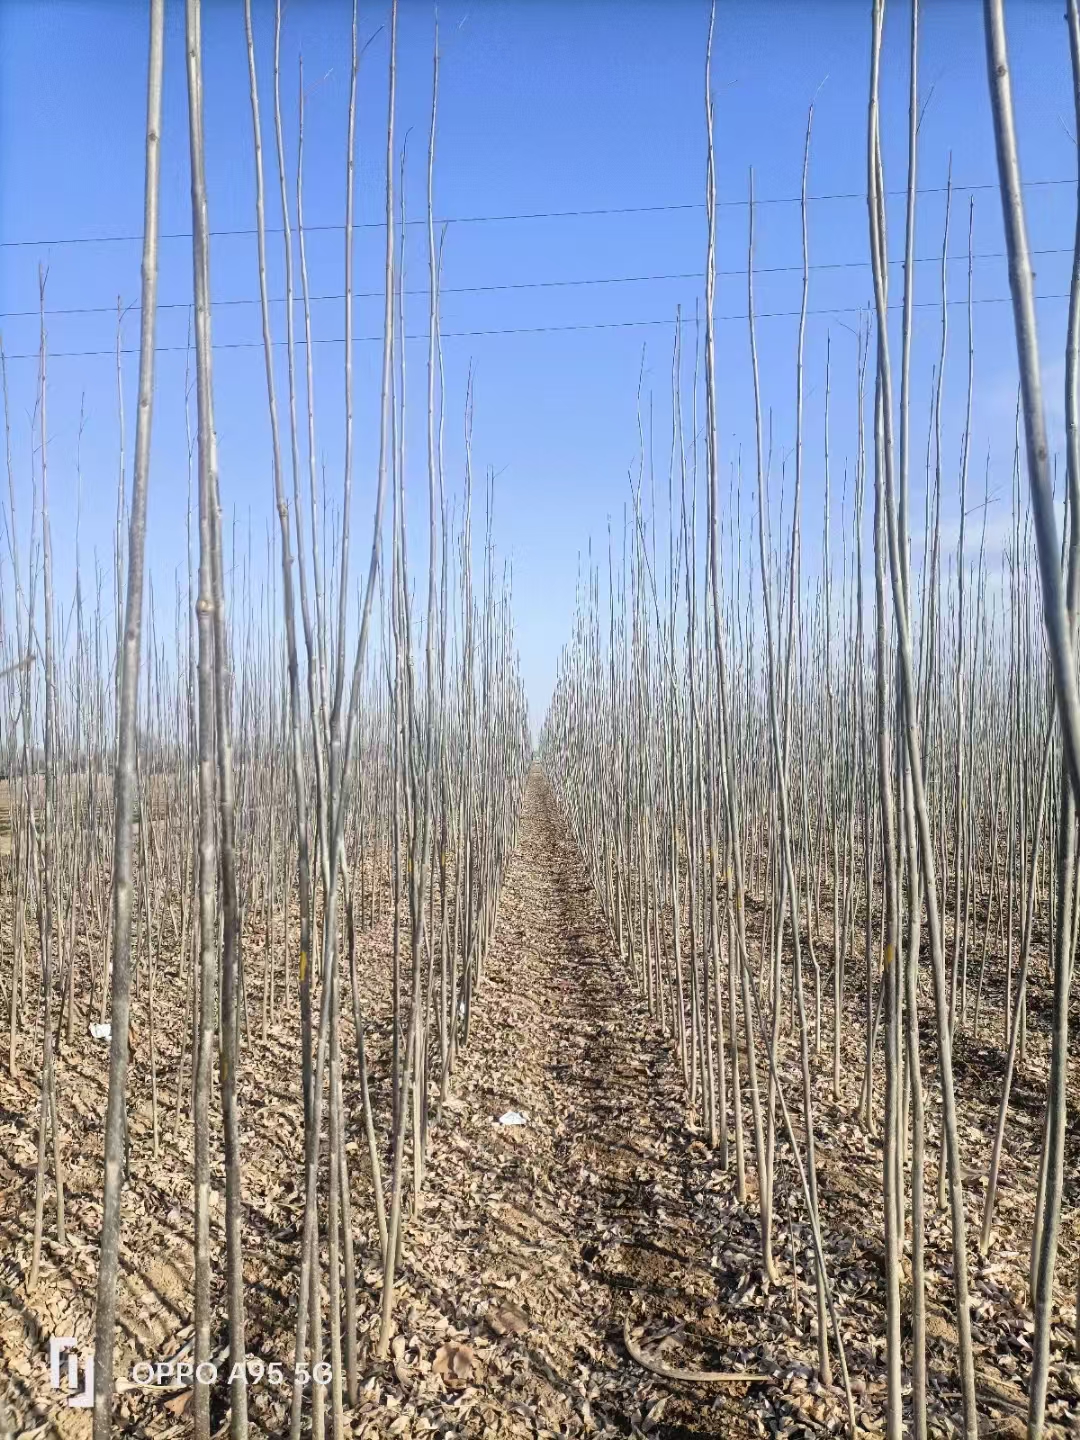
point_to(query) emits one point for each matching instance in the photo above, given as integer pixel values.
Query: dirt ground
(534, 1242)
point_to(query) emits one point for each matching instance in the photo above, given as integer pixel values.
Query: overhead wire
(525, 215)
(112, 351)
(515, 285)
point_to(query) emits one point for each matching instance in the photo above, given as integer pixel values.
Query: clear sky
(548, 108)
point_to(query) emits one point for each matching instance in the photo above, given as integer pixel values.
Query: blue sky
(546, 107)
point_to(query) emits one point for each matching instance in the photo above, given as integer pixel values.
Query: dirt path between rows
(594, 1209)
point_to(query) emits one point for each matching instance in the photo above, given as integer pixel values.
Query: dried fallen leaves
(530, 1251)
(455, 1363)
(509, 1319)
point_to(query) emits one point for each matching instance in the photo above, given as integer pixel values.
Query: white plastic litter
(102, 1030)
(512, 1117)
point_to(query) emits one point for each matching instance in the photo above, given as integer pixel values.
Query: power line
(528, 329)
(531, 215)
(380, 294)
(532, 284)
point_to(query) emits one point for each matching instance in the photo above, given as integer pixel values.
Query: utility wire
(530, 329)
(532, 284)
(532, 215)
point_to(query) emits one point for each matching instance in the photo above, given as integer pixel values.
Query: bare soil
(534, 1242)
